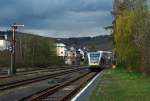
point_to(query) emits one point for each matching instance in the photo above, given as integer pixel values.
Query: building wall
(61, 50)
(73, 58)
(70, 57)
(4, 45)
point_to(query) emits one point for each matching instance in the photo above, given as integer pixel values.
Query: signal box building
(61, 49)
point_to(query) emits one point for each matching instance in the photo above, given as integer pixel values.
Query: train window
(94, 56)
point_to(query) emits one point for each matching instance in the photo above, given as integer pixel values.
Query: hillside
(31, 51)
(99, 42)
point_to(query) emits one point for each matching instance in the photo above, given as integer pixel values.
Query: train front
(94, 60)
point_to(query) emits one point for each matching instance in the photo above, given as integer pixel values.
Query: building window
(73, 54)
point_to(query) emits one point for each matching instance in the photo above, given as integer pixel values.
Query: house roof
(60, 45)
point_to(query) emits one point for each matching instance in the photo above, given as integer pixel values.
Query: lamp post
(13, 45)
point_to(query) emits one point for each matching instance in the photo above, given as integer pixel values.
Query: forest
(31, 51)
(132, 36)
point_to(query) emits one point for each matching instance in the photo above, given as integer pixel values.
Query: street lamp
(13, 44)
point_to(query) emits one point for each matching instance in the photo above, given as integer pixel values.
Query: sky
(58, 18)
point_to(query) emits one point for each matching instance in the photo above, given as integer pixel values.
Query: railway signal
(14, 28)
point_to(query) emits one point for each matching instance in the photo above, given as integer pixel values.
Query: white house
(61, 49)
(4, 45)
(70, 58)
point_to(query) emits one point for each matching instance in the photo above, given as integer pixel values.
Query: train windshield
(94, 56)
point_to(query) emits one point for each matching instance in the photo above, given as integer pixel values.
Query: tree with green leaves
(131, 35)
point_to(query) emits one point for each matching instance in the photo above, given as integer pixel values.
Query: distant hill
(99, 42)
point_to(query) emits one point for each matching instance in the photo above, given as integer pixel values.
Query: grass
(120, 85)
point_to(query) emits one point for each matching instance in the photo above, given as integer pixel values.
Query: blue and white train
(97, 60)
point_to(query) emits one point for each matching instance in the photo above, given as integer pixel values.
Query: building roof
(60, 45)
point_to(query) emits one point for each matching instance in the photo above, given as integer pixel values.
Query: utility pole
(13, 45)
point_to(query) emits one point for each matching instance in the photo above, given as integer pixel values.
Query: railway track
(15, 84)
(33, 71)
(32, 74)
(40, 70)
(63, 91)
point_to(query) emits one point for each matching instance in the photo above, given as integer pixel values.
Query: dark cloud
(62, 18)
